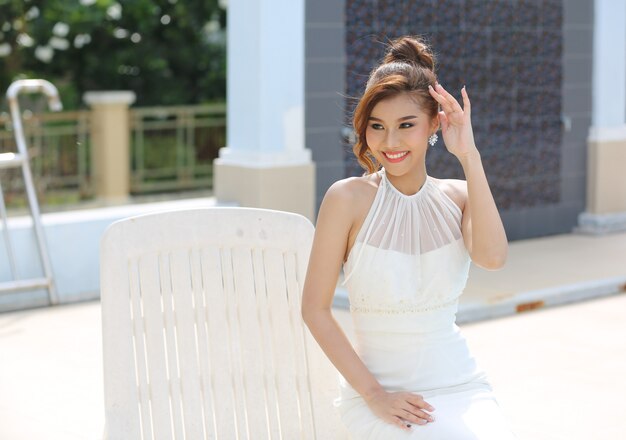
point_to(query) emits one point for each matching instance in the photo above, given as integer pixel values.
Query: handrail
(60, 148)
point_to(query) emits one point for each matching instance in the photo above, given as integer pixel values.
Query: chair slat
(290, 412)
(202, 341)
(303, 388)
(180, 265)
(267, 358)
(140, 349)
(120, 393)
(171, 344)
(251, 342)
(233, 348)
(220, 365)
(158, 380)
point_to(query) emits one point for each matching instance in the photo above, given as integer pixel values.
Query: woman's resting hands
(400, 408)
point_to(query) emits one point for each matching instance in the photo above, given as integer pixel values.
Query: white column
(606, 158)
(265, 115)
(609, 71)
(265, 87)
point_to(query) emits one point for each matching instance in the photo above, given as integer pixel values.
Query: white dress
(404, 274)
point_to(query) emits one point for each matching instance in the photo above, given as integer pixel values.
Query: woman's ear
(435, 124)
(443, 119)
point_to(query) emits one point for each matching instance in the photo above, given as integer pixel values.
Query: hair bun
(410, 50)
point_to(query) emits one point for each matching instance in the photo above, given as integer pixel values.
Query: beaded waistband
(401, 309)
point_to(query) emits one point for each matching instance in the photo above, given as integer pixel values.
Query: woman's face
(397, 132)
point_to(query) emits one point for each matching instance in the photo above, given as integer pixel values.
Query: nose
(391, 140)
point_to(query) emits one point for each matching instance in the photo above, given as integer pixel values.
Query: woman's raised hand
(456, 125)
(400, 408)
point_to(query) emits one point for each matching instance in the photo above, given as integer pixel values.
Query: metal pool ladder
(20, 160)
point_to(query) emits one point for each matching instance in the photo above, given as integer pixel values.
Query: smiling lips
(396, 157)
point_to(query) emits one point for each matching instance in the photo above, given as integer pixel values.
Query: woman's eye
(377, 126)
(406, 125)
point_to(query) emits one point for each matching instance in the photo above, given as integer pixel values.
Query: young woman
(405, 240)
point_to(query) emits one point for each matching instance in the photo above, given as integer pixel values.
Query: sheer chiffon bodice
(409, 254)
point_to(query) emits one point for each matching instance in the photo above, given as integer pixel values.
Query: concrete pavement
(546, 271)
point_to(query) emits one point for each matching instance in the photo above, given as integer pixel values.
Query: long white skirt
(473, 414)
(437, 365)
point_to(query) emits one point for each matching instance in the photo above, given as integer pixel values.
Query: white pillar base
(282, 187)
(263, 159)
(599, 224)
(606, 187)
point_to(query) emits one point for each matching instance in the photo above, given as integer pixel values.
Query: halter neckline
(400, 193)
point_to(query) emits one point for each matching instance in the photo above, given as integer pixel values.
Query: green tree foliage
(167, 51)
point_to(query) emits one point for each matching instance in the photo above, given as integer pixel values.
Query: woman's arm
(329, 246)
(334, 221)
(483, 231)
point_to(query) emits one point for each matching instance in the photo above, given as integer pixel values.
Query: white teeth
(396, 156)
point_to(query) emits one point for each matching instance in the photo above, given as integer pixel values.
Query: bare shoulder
(456, 189)
(346, 199)
(352, 192)
(345, 206)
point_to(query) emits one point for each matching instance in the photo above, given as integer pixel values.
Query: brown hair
(408, 67)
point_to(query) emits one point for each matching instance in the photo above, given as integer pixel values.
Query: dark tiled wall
(324, 89)
(527, 68)
(508, 54)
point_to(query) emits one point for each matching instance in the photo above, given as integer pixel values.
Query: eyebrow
(404, 118)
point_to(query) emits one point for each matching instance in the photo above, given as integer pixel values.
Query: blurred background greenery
(167, 51)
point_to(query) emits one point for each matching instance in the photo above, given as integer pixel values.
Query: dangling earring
(432, 140)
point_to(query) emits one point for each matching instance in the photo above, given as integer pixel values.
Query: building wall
(324, 88)
(527, 67)
(577, 108)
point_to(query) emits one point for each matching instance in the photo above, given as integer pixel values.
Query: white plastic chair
(202, 332)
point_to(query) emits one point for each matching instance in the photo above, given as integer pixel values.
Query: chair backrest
(202, 331)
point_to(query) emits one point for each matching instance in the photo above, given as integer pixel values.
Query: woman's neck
(408, 183)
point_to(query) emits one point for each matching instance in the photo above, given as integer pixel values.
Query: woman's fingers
(414, 409)
(403, 409)
(402, 424)
(466, 102)
(449, 104)
(454, 104)
(418, 401)
(445, 105)
(417, 416)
